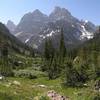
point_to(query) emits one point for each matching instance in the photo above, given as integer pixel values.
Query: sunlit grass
(30, 89)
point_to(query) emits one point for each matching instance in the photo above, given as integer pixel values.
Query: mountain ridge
(35, 26)
(13, 43)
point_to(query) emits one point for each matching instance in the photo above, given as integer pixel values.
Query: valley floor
(37, 89)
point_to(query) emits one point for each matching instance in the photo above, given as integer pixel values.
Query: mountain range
(34, 27)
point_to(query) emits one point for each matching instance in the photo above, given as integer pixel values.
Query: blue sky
(82, 9)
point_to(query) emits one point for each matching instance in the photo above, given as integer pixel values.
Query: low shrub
(96, 96)
(31, 74)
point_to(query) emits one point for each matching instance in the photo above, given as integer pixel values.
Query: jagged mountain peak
(11, 26)
(30, 24)
(37, 11)
(60, 13)
(10, 22)
(58, 9)
(33, 16)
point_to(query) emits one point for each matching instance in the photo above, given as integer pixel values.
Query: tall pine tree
(62, 48)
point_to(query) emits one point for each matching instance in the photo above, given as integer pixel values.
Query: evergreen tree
(62, 51)
(48, 54)
(70, 75)
(62, 48)
(48, 50)
(53, 69)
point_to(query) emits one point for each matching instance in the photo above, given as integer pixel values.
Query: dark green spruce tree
(62, 49)
(49, 53)
(48, 49)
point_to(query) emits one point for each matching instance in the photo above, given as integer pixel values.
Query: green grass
(29, 89)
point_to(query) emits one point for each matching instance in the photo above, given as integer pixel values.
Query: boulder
(16, 83)
(1, 77)
(42, 86)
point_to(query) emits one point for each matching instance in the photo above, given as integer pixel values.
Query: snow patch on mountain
(42, 36)
(85, 33)
(50, 34)
(86, 21)
(19, 33)
(27, 40)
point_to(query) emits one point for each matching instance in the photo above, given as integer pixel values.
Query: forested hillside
(10, 47)
(11, 41)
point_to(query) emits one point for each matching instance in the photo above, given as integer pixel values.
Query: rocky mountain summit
(35, 27)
